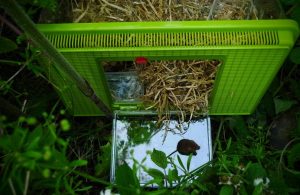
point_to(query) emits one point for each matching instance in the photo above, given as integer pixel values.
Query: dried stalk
(182, 86)
(143, 10)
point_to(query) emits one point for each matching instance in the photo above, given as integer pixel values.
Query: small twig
(11, 62)
(10, 25)
(76, 3)
(13, 76)
(153, 9)
(218, 136)
(283, 151)
(83, 14)
(292, 9)
(23, 106)
(115, 6)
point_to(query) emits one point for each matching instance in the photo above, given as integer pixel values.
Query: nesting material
(234, 10)
(183, 86)
(161, 10)
(140, 10)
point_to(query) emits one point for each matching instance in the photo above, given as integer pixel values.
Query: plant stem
(10, 25)
(21, 19)
(13, 76)
(11, 185)
(26, 182)
(284, 150)
(218, 136)
(10, 62)
(289, 11)
(92, 178)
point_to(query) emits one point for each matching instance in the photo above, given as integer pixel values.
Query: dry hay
(234, 10)
(184, 86)
(160, 10)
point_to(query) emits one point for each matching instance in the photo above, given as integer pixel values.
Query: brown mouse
(186, 147)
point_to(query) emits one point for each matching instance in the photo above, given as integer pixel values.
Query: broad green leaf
(60, 160)
(158, 176)
(282, 105)
(49, 135)
(103, 160)
(6, 45)
(126, 180)
(295, 55)
(34, 138)
(258, 190)
(33, 154)
(159, 158)
(226, 190)
(180, 163)
(29, 164)
(18, 138)
(255, 171)
(173, 175)
(78, 163)
(242, 190)
(155, 173)
(62, 142)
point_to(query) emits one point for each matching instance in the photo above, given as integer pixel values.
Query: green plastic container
(251, 52)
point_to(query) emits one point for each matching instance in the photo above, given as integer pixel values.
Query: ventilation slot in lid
(163, 39)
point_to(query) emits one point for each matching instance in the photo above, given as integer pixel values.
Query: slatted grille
(251, 53)
(162, 39)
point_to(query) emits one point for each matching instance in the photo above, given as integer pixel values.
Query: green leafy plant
(34, 158)
(7, 45)
(22, 19)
